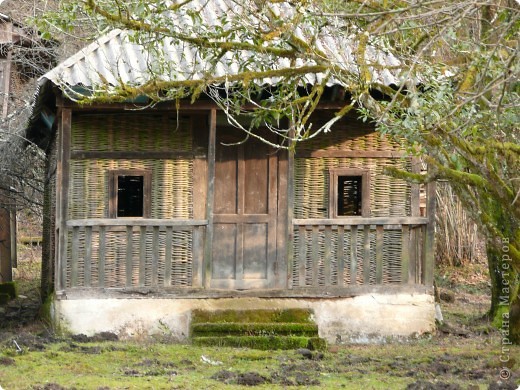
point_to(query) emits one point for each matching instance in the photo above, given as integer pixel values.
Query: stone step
(262, 342)
(252, 316)
(254, 329)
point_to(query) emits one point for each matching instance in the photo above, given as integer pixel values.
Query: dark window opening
(349, 196)
(349, 192)
(130, 196)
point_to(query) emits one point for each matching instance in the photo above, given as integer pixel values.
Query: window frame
(113, 191)
(334, 174)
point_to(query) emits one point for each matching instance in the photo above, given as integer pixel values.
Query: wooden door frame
(279, 278)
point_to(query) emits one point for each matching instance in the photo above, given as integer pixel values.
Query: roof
(114, 58)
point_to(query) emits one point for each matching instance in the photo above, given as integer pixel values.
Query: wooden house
(159, 212)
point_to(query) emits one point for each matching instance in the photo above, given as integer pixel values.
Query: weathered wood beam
(359, 221)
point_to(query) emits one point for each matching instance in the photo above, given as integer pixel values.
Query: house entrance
(244, 212)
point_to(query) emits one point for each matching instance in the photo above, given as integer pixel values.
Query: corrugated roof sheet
(114, 59)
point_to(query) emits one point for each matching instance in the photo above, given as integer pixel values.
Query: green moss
(252, 316)
(9, 288)
(259, 342)
(254, 329)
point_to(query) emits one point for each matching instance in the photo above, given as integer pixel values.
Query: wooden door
(244, 213)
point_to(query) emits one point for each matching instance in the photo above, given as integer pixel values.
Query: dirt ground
(466, 352)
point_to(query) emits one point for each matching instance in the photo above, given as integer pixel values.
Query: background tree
(455, 99)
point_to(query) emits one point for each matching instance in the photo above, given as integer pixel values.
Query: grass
(118, 365)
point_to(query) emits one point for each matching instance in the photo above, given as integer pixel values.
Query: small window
(129, 194)
(349, 193)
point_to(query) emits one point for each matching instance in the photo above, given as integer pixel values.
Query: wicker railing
(132, 253)
(359, 251)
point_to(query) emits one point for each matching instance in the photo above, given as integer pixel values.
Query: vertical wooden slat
(405, 253)
(315, 255)
(198, 253)
(341, 255)
(155, 256)
(239, 265)
(282, 224)
(429, 239)
(415, 203)
(129, 250)
(168, 256)
(327, 256)
(63, 190)
(366, 254)
(74, 257)
(102, 255)
(415, 200)
(199, 131)
(412, 267)
(88, 256)
(302, 254)
(353, 254)
(142, 256)
(210, 197)
(290, 213)
(379, 253)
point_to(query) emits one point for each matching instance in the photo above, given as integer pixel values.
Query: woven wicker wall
(115, 273)
(131, 131)
(388, 196)
(391, 258)
(172, 180)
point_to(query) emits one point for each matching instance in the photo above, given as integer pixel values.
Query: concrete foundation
(365, 318)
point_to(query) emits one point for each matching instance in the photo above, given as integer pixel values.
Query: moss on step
(263, 342)
(252, 316)
(254, 329)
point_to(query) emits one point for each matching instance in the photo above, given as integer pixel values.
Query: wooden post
(415, 202)
(6, 266)
(210, 197)
(341, 255)
(379, 253)
(6, 272)
(62, 190)
(429, 237)
(353, 254)
(199, 133)
(405, 253)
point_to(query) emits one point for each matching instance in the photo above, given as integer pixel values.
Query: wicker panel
(349, 134)
(172, 187)
(391, 258)
(131, 131)
(388, 196)
(115, 264)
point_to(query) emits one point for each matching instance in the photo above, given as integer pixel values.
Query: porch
(169, 258)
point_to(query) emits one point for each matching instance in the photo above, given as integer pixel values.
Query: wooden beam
(326, 293)
(359, 221)
(130, 155)
(96, 222)
(63, 189)
(210, 196)
(350, 154)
